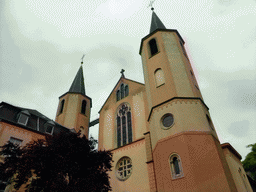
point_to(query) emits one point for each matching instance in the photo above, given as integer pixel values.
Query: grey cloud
(242, 93)
(226, 2)
(239, 128)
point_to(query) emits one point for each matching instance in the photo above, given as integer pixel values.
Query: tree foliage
(60, 163)
(250, 161)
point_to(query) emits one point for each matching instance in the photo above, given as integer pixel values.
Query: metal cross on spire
(151, 4)
(122, 71)
(82, 59)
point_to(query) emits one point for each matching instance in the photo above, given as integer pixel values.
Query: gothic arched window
(176, 167)
(159, 77)
(124, 125)
(62, 106)
(122, 92)
(83, 108)
(126, 90)
(118, 95)
(153, 47)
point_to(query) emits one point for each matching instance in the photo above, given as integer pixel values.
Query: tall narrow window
(122, 91)
(159, 77)
(118, 131)
(124, 130)
(62, 106)
(176, 165)
(129, 122)
(83, 108)
(126, 90)
(176, 168)
(124, 125)
(153, 47)
(118, 95)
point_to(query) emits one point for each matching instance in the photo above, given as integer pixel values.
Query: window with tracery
(124, 168)
(176, 167)
(122, 92)
(124, 125)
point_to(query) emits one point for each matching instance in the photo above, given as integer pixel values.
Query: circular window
(167, 120)
(124, 168)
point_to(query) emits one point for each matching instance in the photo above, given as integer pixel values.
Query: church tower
(74, 108)
(182, 135)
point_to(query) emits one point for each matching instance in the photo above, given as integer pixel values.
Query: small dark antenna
(82, 59)
(151, 4)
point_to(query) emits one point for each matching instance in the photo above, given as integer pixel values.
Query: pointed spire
(156, 23)
(78, 83)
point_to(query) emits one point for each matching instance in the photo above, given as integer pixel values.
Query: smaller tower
(74, 108)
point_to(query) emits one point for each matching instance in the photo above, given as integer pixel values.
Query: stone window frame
(172, 166)
(161, 121)
(123, 168)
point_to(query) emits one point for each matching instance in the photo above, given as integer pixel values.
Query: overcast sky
(42, 41)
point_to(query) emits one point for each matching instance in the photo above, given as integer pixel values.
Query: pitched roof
(156, 23)
(36, 121)
(78, 83)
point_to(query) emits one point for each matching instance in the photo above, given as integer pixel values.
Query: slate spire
(78, 83)
(156, 23)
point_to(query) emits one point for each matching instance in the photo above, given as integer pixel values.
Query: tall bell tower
(74, 108)
(182, 134)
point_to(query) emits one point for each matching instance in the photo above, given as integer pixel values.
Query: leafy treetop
(60, 163)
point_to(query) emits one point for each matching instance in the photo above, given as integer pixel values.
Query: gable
(136, 106)
(134, 87)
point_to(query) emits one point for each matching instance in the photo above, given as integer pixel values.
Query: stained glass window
(124, 168)
(124, 125)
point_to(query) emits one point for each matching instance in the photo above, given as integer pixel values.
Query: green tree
(61, 163)
(250, 161)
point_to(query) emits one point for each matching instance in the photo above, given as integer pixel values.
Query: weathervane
(82, 59)
(151, 4)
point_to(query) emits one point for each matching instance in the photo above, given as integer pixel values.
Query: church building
(160, 133)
